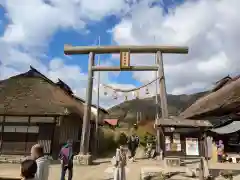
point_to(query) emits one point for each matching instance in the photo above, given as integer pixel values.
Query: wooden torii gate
(84, 157)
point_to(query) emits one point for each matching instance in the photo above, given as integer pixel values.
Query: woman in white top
(121, 162)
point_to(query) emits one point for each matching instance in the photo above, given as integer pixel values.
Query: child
(28, 169)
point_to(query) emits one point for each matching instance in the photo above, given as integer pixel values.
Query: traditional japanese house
(221, 107)
(34, 109)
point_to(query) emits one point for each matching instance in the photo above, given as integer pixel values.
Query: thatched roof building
(32, 93)
(224, 99)
(34, 109)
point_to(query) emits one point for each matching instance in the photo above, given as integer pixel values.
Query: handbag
(114, 161)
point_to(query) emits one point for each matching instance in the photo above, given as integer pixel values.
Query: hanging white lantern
(146, 91)
(105, 91)
(115, 95)
(126, 97)
(136, 94)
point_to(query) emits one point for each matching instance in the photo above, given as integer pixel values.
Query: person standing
(66, 156)
(133, 143)
(209, 147)
(220, 150)
(120, 164)
(37, 154)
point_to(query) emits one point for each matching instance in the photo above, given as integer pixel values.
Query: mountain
(127, 111)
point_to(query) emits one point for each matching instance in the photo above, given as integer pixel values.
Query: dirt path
(102, 170)
(95, 172)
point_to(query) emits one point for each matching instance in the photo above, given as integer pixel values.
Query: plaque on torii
(124, 59)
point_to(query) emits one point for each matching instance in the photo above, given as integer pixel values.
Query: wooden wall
(20, 133)
(70, 129)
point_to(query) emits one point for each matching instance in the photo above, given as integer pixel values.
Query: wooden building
(221, 107)
(229, 132)
(33, 109)
(224, 99)
(183, 138)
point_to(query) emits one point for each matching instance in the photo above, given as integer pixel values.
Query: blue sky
(34, 33)
(96, 29)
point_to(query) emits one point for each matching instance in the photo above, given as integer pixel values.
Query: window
(22, 119)
(22, 129)
(33, 129)
(42, 119)
(9, 129)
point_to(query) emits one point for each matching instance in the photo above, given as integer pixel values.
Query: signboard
(176, 138)
(177, 141)
(125, 59)
(192, 146)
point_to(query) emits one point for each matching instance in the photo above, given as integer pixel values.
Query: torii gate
(84, 157)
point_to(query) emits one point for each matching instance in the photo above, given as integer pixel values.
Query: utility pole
(98, 100)
(157, 117)
(158, 149)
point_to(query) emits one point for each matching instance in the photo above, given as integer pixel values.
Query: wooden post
(163, 95)
(2, 132)
(53, 132)
(26, 137)
(84, 147)
(201, 169)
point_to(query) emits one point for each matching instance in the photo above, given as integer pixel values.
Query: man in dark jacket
(66, 156)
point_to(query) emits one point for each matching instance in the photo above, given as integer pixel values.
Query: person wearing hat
(66, 156)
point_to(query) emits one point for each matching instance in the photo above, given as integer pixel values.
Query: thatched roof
(223, 100)
(31, 93)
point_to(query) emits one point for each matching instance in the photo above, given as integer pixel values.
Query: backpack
(66, 155)
(137, 140)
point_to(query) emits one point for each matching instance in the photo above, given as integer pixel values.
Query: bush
(106, 140)
(141, 132)
(109, 140)
(120, 138)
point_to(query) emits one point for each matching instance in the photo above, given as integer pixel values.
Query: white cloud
(210, 28)
(31, 27)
